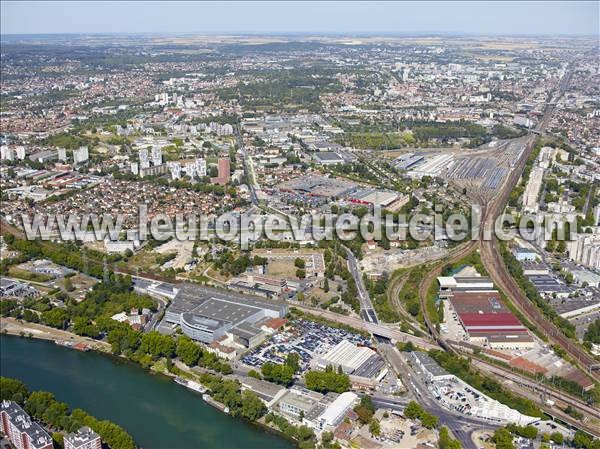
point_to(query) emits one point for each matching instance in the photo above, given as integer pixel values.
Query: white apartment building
(84, 438)
(22, 432)
(174, 169)
(143, 157)
(201, 167)
(156, 156)
(81, 155)
(585, 249)
(62, 154)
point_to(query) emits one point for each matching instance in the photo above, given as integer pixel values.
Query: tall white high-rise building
(135, 168)
(201, 167)
(190, 169)
(62, 154)
(174, 169)
(81, 155)
(20, 151)
(156, 156)
(405, 73)
(6, 153)
(143, 157)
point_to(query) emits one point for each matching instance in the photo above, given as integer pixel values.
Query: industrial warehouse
(481, 313)
(209, 314)
(357, 361)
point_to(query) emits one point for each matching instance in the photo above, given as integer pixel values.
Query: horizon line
(303, 33)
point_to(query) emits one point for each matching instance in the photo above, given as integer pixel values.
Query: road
(162, 302)
(13, 326)
(248, 167)
(462, 426)
(377, 329)
(366, 306)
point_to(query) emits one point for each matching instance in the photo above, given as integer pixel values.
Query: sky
(273, 17)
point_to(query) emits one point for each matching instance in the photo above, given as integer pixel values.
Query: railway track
(500, 275)
(459, 253)
(492, 259)
(540, 388)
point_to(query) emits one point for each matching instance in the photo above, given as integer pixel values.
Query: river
(158, 413)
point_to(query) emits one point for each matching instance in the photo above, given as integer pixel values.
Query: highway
(143, 283)
(366, 306)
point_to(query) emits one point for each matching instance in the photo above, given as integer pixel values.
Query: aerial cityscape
(267, 225)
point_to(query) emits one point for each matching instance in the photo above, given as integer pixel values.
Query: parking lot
(306, 338)
(451, 326)
(456, 395)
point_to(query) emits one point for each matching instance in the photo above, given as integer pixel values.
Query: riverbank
(17, 328)
(156, 411)
(60, 422)
(12, 326)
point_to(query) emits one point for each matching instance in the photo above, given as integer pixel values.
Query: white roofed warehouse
(358, 361)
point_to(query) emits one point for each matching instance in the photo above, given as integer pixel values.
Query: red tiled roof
(527, 365)
(276, 323)
(490, 319)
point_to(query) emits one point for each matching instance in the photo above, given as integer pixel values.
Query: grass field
(283, 268)
(29, 275)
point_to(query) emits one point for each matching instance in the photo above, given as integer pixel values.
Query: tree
(374, 427)
(57, 318)
(503, 439)
(299, 263)
(326, 381)
(122, 338)
(188, 351)
(430, 421)
(69, 285)
(557, 437)
(13, 390)
(413, 410)
(7, 306)
(326, 439)
(157, 345)
(582, 440)
(408, 347)
(84, 326)
(255, 374)
(280, 374)
(252, 407)
(592, 334)
(293, 361)
(446, 442)
(365, 409)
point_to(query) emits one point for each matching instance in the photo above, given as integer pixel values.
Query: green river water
(158, 413)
